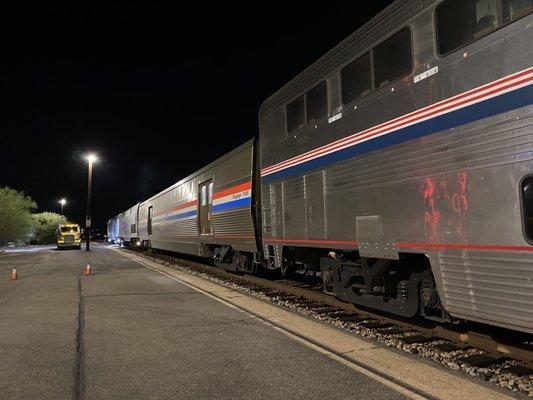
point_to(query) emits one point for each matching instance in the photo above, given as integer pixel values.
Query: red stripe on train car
(466, 246)
(412, 117)
(376, 132)
(416, 245)
(177, 208)
(294, 241)
(235, 189)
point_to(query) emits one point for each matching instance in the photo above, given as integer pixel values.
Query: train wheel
(429, 297)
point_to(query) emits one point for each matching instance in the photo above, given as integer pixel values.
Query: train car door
(314, 202)
(205, 205)
(150, 216)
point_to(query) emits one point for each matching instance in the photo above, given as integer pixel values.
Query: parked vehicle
(69, 236)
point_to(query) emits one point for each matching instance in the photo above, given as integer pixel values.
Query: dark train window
(393, 58)
(295, 114)
(317, 102)
(516, 9)
(527, 205)
(149, 223)
(356, 79)
(460, 22)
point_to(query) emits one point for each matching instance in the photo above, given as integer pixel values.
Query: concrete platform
(128, 332)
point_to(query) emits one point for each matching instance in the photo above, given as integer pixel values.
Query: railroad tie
(481, 360)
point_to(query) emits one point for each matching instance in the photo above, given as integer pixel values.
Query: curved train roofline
(408, 196)
(364, 34)
(211, 165)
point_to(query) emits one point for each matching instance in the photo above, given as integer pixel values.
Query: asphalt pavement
(128, 332)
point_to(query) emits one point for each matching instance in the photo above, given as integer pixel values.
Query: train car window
(356, 79)
(295, 114)
(210, 193)
(516, 9)
(460, 22)
(393, 58)
(203, 195)
(316, 101)
(457, 23)
(149, 224)
(487, 17)
(527, 206)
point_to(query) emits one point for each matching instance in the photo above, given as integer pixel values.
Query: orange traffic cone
(14, 275)
(88, 270)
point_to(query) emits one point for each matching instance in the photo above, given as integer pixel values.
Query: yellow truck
(69, 235)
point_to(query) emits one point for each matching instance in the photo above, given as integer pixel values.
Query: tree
(45, 226)
(15, 218)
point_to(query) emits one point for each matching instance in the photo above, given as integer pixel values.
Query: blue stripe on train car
(232, 204)
(485, 109)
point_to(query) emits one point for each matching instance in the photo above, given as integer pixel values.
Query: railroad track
(505, 358)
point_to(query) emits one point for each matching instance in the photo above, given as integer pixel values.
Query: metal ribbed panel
(266, 197)
(181, 228)
(127, 219)
(482, 145)
(233, 223)
(489, 287)
(293, 212)
(294, 189)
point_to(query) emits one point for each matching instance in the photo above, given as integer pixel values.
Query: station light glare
(62, 202)
(91, 158)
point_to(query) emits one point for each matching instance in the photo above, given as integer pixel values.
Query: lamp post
(62, 202)
(91, 158)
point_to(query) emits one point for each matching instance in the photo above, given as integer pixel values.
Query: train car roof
(209, 166)
(364, 38)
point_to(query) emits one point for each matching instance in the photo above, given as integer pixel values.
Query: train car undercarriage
(404, 287)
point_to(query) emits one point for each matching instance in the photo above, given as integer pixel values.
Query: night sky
(156, 90)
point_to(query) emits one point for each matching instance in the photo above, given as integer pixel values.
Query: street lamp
(62, 202)
(91, 158)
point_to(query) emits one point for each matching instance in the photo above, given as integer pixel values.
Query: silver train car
(401, 163)
(127, 231)
(399, 167)
(210, 213)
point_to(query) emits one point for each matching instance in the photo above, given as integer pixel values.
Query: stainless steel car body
(176, 213)
(430, 164)
(128, 224)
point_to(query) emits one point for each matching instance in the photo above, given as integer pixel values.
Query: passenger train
(399, 166)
